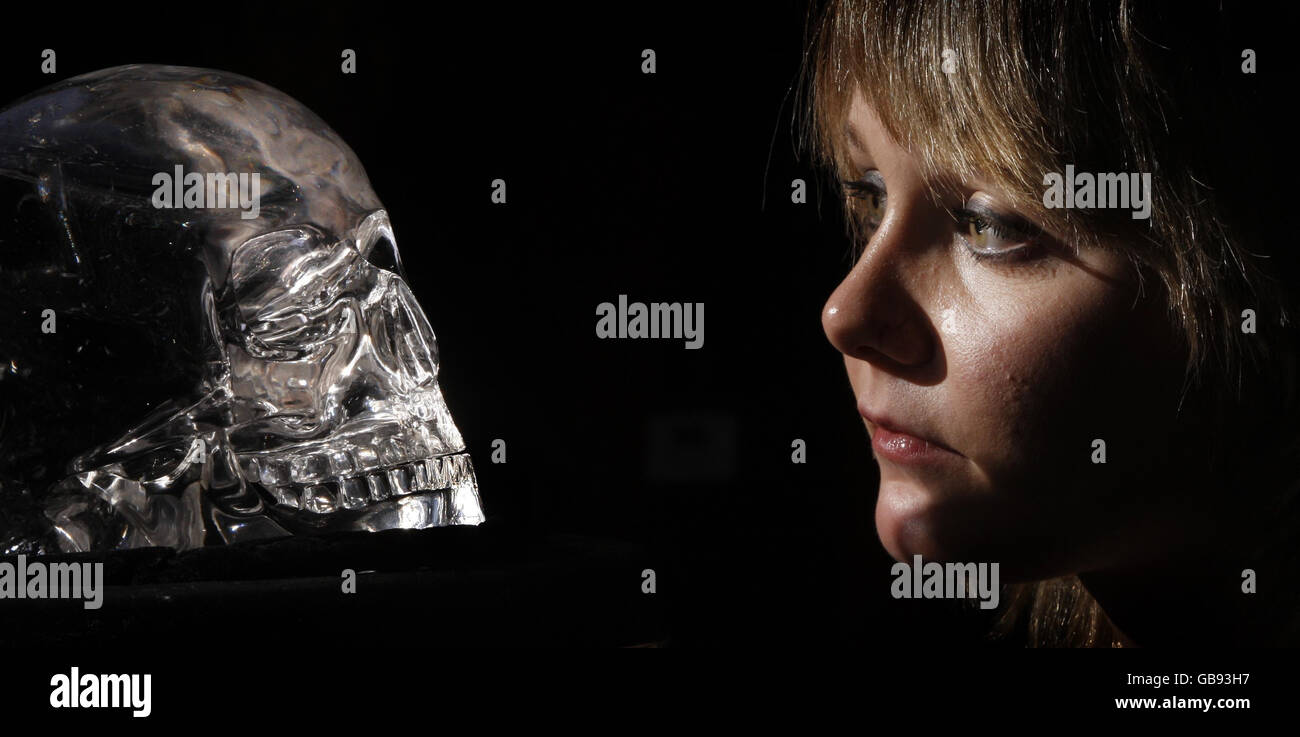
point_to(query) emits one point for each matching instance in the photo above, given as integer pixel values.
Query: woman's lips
(898, 445)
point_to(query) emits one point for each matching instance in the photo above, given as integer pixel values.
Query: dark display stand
(442, 587)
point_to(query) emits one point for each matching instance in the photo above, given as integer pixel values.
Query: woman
(1066, 328)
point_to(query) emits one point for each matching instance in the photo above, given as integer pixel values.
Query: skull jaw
(416, 511)
(103, 510)
(224, 500)
(437, 492)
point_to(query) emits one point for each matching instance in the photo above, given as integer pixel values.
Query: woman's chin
(956, 526)
(910, 520)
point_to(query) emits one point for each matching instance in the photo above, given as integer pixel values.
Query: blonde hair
(1031, 86)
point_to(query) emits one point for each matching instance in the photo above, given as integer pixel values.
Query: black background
(622, 454)
(671, 187)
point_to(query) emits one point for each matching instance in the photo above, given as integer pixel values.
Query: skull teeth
(420, 476)
(399, 481)
(308, 468)
(341, 463)
(378, 486)
(319, 499)
(285, 496)
(318, 467)
(354, 492)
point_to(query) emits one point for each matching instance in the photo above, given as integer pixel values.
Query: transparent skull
(298, 375)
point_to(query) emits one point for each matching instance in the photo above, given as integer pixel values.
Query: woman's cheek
(1024, 377)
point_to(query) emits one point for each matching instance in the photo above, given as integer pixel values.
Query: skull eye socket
(383, 254)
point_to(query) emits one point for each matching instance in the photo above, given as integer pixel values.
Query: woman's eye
(991, 236)
(867, 200)
(987, 234)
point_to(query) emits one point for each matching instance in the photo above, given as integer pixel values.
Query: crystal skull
(273, 374)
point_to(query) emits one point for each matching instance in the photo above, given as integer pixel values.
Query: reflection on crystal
(302, 376)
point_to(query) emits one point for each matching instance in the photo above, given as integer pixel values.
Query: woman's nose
(872, 317)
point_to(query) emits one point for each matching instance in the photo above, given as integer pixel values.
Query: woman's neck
(1220, 589)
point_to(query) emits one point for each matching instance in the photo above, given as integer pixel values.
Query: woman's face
(985, 362)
